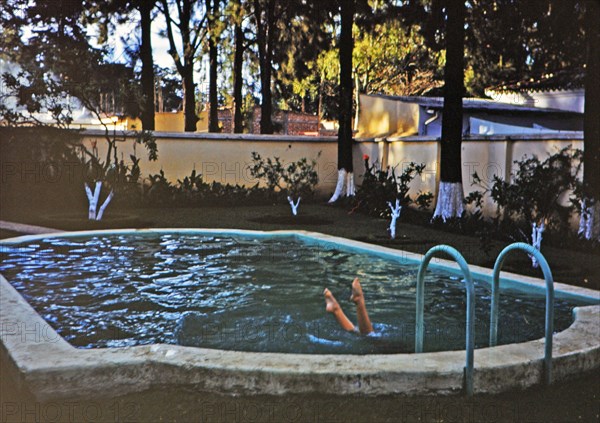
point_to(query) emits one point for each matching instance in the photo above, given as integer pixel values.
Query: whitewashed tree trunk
(395, 215)
(104, 205)
(589, 221)
(93, 198)
(294, 205)
(536, 240)
(91, 207)
(350, 188)
(449, 201)
(345, 184)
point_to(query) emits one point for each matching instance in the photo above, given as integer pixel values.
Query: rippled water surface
(247, 294)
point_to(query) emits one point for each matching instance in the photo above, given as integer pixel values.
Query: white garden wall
(225, 157)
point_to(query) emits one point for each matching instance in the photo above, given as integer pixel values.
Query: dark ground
(573, 401)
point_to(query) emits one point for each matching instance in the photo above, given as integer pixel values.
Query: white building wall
(568, 100)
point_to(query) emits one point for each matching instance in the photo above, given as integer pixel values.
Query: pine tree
(345, 138)
(264, 14)
(450, 192)
(212, 7)
(190, 23)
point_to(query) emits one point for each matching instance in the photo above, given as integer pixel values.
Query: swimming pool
(244, 293)
(53, 368)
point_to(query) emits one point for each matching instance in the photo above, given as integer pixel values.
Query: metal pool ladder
(529, 249)
(470, 341)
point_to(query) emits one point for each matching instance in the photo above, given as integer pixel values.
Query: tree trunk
(320, 99)
(589, 226)
(345, 168)
(187, 70)
(213, 100)
(189, 98)
(357, 89)
(148, 107)
(346, 97)
(264, 39)
(450, 193)
(238, 62)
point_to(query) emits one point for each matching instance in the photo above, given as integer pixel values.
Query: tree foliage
(54, 66)
(399, 45)
(507, 39)
(391, 59)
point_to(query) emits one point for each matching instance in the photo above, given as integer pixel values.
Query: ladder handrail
(470, 342)
(549, 301)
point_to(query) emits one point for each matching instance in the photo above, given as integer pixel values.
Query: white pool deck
(50, 368)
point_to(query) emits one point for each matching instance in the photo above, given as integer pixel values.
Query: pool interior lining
(110, 306)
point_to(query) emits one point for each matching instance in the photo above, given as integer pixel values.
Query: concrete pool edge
(51, 368)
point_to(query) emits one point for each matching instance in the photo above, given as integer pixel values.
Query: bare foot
(357, 292)
(331, 304)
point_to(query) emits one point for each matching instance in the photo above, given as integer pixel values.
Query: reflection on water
(245, 294)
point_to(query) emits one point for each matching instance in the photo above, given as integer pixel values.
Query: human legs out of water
(364, 323)
(332, 306)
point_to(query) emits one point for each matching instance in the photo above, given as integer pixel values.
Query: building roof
(567, 79)
(478, 104)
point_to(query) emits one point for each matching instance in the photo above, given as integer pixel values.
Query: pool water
(246, 294)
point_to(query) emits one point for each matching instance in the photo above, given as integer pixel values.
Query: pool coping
(50, 368)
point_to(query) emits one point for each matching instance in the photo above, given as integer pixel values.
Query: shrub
(380, 186)
(125, 180)
(536, 192)
(159, 190)
(194, 191)
(297, 179)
